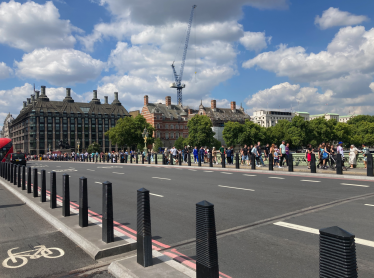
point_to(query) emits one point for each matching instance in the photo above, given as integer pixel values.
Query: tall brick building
(169, 120)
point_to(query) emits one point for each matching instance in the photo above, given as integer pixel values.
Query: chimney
(43, 91)
(68, 97)
(168, 101)
(116, 101)
(24, 104)
(233, 106)
(213, 104)
(189, 111)
(105, 99)
(68, 92)
(37, 94)
(145, 100)
(94, 97)
(115, 95)
(28, 100)
(94, 94)
(32, 98)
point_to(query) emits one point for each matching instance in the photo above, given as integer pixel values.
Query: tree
(200, 131)
(94, 148)
(361, 118)
(179, 143)
(252, 133)
(231, 133)
(157, 145)
(128, 131)
(279, 132)
(217, 144)
(321, 130)
(297, 133)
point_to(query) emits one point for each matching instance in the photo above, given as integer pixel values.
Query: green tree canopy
(157, 145)
(94, 147)
(128, 131)
(179, 143)
(231, 133)
(200, 131)
(252, 133)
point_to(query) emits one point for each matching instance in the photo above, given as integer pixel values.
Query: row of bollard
(206, 239)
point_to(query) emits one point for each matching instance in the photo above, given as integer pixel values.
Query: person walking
(195, 154)
(259, 153)
(202, 154)
(276, 157)
(282, 153)
(214, 154)
(266, 152)
(244, 153)
(353, 152)
(339, 150)
(365, 152)
(308, 154)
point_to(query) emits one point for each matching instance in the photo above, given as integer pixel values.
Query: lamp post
(49, 147)
(78, 142)
(145, 136)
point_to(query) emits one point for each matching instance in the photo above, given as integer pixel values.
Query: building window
(176, 135)
(166, 135)
(185, 127)
(171, 126)
(172, 135)
(166, 126)
(158, 134)
(176, 126)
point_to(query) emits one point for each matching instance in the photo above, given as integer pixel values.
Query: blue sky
(315, 56)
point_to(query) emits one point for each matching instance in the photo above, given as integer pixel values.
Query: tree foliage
(231, 133)
(128, 131)
(179, 143)
(94, 148)
(157, 145)
(200, 131)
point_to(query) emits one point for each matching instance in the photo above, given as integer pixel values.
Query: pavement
(266, 221)
(22, 230)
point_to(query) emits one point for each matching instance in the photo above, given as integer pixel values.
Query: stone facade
(6, 126)
(42, 123)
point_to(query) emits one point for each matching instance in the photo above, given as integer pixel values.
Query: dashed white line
(118, 173)
(369, 205)
(248, 175)
(98, 182)
(236, 187)
(279, 178)
(155, 195)
(316, 231)
(355, 184)
(310, 181)
(208, 171)
(226, 173)
(161, 178)
(192, 170)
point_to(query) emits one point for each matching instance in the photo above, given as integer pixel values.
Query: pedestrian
(339, 150)
(308, 154)
(276, 156)
(214, 154)
(287, 152)
(259, 153)
(195, 154)
(282, 152)
(353, 152)
(365, 152)
(244, 154)
(201, 154)
(266, 152)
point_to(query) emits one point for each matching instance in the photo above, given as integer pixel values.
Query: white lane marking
(279, 178)
(161, 178)
(118, 173)
(248, 175)
(316, 231)
(310, 181)
(192, 170)
(226, 173)
(355, 184)
(98, 182)
(58, 166)
(236, 187)
(208, 171)
(155, 195)
(369, 205)
(90, 170)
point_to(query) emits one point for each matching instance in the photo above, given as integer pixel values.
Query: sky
(289, 55)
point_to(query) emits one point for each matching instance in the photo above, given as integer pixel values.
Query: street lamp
(78, 142)
(145, 136)
(49, 147)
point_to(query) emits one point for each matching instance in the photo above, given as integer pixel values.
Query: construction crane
(178, 78)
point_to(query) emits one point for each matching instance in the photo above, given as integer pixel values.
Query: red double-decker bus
(6, 147)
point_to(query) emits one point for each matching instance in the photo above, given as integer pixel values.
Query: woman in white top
(353, 151)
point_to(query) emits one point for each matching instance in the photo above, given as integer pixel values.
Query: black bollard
(90, 158)
(11, 172)
(100, 158)
(43, 188)
(23, 177)
(1, 169)
(271, 162)
(253, 161)
(237, 161)
(15, 175)
(35, 188)
(171, 159)
(337, 253)
(52, 196)
(5, 170)
(144, 232)
(290, 163)
(83, 202)
(199, 159)
(65, 195)
(180, 159)
(142, 158)
(19, 175)
(223, 160)
(108, 230)
(339, 164)
(369, 164)
(206, 241)
(210, 160)
(189, 159)
(149, 158)
(313, 163)
(29, 179)
(8, 174)
(156, 158)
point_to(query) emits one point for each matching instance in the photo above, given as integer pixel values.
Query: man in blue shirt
(202, 153)
(195, 154)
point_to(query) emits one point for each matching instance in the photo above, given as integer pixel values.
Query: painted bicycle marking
(20, 259)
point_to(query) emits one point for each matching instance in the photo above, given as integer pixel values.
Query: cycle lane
(37, 248)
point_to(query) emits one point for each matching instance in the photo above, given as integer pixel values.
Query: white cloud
(12, 100)
(30, 25)
(5, 71)
(255, 41)
(285, 96)
(334, 17)
(59, 67)
(346, 67)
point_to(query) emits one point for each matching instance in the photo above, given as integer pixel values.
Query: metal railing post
(65, 195)
(43, 187)
(144, 231)
(107, 228)
(83, 202)
(52, 196)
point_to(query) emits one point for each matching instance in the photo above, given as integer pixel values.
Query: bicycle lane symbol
(20, 259)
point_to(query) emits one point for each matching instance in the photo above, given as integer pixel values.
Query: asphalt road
(246, 207)
(23, 229)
